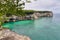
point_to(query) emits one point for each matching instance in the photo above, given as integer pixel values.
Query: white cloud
(53, 5)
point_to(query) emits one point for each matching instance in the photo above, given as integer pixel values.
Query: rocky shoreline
(6, 34)
(34, 15)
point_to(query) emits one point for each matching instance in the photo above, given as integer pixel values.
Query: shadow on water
(8, 25)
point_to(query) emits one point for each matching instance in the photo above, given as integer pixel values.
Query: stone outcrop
(44, 14)
(30, 16)
(6, 34)
(38, 14)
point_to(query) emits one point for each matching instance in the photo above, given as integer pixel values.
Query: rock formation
(6, 34)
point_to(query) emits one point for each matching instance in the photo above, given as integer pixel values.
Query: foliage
(11, 7)
(1, 20)
(27, 12)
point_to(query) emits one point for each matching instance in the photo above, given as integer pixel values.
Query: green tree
(12, 6)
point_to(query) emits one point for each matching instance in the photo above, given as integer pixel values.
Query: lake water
(47, 28)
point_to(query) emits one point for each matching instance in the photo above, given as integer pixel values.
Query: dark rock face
(6, 34)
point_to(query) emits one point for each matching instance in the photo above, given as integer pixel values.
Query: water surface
(47, 28)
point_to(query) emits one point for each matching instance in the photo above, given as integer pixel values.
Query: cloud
(52, 5)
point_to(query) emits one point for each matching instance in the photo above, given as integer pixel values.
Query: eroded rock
(6, 34)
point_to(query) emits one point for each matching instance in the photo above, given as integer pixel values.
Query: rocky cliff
(6, 34)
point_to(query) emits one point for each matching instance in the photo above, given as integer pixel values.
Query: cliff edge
(6, 34)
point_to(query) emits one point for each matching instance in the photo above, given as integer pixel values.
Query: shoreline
(6, 34)
(29, 16)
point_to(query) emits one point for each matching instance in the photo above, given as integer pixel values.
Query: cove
(47, 28)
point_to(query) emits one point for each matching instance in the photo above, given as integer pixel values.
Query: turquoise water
(41, 29)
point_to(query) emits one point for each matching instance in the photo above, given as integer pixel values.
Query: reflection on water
(46, 28)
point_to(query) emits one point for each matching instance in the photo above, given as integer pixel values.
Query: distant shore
(30, 15)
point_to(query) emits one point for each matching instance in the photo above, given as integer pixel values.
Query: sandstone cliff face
(36, 15)
(44, 14)
(6, 34)
(30, 16)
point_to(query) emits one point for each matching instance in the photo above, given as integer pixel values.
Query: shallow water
(47, 28)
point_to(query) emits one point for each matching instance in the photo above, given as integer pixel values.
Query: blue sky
(51, 5)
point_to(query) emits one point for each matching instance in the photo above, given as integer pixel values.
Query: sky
(45, 5)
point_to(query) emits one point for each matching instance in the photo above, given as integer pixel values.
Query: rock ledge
(6, 34)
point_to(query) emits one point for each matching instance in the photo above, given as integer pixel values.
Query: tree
(12, 6)
(1, 19)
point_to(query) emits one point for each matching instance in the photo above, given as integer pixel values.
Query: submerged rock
(6, 34)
